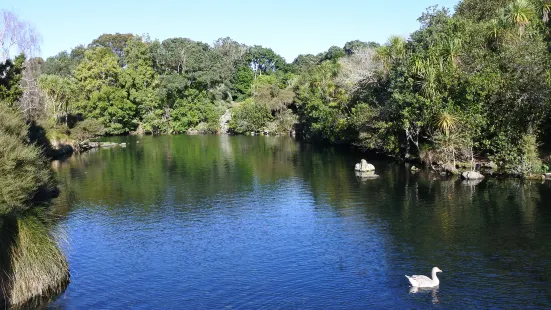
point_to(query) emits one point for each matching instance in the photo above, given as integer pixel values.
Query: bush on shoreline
(26, 176)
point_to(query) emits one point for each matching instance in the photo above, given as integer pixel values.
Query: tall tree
(265, 61)
(352, 46)
(16, 36)
(10, 78)
(60, 93)
(98, 69)
(227, 57)
(141, 82)
(334, 53)
(60, 64)
(115, 42)
(479, 10)
(31, 101)
(304, 63)
(103, 98)
(64, 63)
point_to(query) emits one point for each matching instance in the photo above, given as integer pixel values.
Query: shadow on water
(493, 235)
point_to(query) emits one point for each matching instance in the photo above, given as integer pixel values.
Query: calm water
(212, 222)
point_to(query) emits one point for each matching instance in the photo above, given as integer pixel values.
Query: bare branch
(32, 102)
(17, 36)
(358, 69)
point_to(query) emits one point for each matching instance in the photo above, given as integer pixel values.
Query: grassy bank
(31, 264)
(33, 267)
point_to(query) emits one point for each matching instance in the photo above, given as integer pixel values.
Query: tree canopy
(469, 84)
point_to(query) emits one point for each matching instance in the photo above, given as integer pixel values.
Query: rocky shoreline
(87, 145)
(365, 170)
(60, 150)
(467, 171)
(479, 171)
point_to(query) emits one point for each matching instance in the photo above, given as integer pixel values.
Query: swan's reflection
(426, 290)
(471, 182)
(363, 176)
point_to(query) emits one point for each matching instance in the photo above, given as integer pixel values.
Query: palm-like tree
(428, 74)
(546, 8)
(419, 66)
(520, 13)
(446, 123)
(397, 46)
(394, 49)
(452, 49)
(429, 83)
(428, 71)
(384, 55)
(449, 141)
(497, 24)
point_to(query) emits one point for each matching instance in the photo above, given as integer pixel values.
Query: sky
(289, 27)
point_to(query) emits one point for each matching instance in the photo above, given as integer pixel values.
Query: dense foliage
(10, 77)
(25, 172)
(470, 84)
(31, 264)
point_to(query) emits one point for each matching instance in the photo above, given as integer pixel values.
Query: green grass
(31, 264)
(33, 267)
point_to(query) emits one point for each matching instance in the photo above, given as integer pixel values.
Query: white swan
(424, 281)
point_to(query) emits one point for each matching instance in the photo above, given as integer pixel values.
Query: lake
(219, 222)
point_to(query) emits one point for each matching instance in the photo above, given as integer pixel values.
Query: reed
(36, 268)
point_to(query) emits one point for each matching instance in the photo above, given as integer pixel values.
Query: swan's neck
(435, 278)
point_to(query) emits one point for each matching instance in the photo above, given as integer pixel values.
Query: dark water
(268, 223)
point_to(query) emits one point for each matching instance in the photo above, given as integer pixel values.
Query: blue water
(269, 223)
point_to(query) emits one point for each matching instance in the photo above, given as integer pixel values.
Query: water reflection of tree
(184, 170)
(500, 225)
(174, 170)
(437, 206)
(428, 218)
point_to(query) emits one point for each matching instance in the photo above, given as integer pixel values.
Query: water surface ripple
(270, 223)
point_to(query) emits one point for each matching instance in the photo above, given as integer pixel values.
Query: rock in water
(363, 166)
(108, 144)
(472, 175)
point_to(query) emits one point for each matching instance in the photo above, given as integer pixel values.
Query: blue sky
(288, 27)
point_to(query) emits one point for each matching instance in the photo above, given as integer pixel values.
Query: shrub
(522, 159)
(530, 160)
(249, 116)
(24, 170)
(87, 129)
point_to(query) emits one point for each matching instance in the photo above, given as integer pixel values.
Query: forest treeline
(474, 83)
